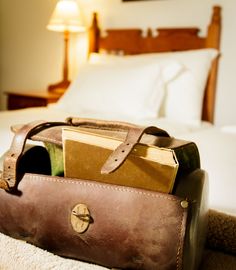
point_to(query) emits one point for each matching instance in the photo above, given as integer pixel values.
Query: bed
(166, 63)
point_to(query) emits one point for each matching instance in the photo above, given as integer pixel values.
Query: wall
(28, 53)
(31, 56)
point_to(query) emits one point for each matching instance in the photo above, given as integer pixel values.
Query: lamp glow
(66, 18)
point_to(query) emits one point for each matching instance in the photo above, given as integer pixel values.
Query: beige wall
(31, 56)
(27, 52)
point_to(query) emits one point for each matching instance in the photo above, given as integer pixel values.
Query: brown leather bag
(110, 225)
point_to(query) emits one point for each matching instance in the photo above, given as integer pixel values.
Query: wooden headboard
(132, 41)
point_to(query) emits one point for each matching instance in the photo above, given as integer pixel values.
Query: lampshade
(66, 17)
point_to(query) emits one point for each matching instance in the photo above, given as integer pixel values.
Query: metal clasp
(184, 204)
(80, 218)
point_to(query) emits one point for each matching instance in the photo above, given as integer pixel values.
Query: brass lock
(80, 218)
(184, 204)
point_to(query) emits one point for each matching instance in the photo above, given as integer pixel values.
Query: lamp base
(59, 87)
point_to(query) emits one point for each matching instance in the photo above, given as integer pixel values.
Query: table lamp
(65, 18)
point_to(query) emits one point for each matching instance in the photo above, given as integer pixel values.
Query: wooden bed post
(94, 34)
(212, 41)
(214, 29)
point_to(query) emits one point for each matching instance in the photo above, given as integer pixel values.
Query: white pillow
(184, 94)
(129, 90)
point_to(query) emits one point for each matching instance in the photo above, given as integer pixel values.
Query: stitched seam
(123, 189)
(179, 246)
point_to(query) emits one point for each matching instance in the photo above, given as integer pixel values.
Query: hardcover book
(147, 166)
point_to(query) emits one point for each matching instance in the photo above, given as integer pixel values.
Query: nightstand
(26, 99)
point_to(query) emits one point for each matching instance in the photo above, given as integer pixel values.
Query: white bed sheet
(217, 150)
(217, 147)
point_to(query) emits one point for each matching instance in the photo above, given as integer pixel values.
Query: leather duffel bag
(110, 225)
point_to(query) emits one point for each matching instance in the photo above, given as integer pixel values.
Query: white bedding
(217, 150)
(217, 147)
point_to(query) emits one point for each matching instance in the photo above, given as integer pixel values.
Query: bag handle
(112, 125)
(114, 161)
(97, 123)
(134, 135)
(9, 174)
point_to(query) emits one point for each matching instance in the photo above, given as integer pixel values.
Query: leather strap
(119, 155)
(104, 124)
(9, 174)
